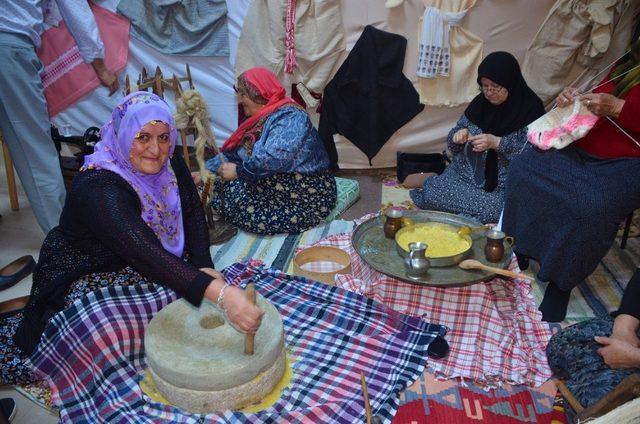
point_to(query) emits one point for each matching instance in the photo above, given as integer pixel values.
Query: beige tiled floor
(19, 235)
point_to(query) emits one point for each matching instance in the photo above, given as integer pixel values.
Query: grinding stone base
(203, 402)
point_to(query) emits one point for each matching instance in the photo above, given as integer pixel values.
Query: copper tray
(380, 252)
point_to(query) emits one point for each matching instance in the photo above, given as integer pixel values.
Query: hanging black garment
(521, 108)
(369, 98)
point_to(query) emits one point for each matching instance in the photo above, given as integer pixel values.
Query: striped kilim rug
(431, 401)
(602, 291)
(274, 251)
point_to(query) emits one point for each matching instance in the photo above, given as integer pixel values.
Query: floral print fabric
(281, 203)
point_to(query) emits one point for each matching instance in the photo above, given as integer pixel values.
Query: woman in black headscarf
(490, 133)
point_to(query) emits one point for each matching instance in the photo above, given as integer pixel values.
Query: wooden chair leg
(625, 232)
(11, 179)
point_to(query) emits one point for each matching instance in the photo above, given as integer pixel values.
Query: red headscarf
(271, 90)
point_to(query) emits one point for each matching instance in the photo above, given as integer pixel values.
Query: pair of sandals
(11, 275)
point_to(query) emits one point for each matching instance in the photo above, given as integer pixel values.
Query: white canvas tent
(502, 25)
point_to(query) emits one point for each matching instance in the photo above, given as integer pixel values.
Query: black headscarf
(522, 106)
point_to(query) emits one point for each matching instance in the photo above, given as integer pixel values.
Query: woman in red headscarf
(274, 169)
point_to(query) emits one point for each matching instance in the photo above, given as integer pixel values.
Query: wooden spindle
(249, 339)
(205, 192)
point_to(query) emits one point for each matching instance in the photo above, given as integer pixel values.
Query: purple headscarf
(158, 193)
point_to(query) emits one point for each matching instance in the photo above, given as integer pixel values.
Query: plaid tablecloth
(92, 353)
(495, 335)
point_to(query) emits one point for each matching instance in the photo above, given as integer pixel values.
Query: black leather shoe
(7, 409)
(13, 306)
(11, 274)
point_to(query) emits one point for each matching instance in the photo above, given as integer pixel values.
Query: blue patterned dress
(460, 187)
(284, 184)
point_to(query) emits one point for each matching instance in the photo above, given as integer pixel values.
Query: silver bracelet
(221, 297)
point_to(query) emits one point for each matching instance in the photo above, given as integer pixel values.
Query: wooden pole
(185, 150)
(11, 178)
(157, 83)
(365, 394)
(575, 404)
(249, 339)
(191, 86)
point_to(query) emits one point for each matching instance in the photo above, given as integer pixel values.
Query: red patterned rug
(452, 402)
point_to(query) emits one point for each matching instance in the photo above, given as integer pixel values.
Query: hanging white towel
(434, 55)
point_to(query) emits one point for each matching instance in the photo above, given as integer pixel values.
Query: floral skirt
(281, 203)
(13, 369)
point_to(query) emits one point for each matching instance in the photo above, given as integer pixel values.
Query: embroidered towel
(66, 78)
(434, 54)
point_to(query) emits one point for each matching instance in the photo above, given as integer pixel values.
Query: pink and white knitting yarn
(561, 126)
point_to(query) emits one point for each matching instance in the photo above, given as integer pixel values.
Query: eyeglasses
(235, 88)
(491, 88)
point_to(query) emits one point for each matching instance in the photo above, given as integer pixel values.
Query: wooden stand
(11, 179)
(159, 85)
(627, 390)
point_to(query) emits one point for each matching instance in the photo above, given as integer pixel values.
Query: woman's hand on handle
(243, 315)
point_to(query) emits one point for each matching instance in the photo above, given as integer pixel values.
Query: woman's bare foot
(416, 180)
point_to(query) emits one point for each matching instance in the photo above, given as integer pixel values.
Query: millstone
(197, 358)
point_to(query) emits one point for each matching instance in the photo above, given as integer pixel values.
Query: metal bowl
(440, 261)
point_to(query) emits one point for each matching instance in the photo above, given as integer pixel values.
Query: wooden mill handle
(249, 339)
(365, 395)
(504, 272)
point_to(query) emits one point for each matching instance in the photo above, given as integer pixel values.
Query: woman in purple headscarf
(132, 216)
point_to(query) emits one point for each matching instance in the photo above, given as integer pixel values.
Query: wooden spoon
(473, 264)
(466, 231)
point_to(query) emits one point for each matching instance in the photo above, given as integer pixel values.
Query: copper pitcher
(494, 249)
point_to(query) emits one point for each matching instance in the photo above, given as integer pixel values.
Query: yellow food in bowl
(441, 239)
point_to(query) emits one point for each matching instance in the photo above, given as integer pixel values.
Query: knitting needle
(249, 338)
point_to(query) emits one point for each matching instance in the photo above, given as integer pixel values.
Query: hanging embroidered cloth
(304, 36)
(584, 28)
(465, 56)
(66, 78)
(434, 53)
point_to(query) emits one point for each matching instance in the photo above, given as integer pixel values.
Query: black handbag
(415, 163)
(80, 146)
